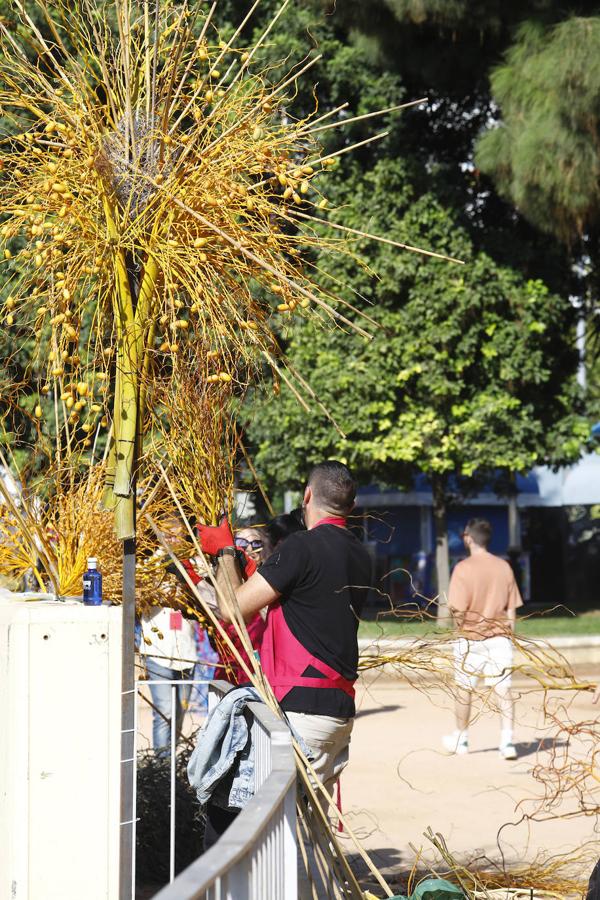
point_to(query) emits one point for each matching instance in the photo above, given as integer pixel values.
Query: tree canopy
(544, 153)
(465, 372)
(459, 353)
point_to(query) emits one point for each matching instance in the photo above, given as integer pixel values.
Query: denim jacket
(224, 743)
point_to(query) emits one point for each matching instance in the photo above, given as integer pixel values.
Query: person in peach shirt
(483, 598)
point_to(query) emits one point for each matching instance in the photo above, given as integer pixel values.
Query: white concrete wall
(60, 695)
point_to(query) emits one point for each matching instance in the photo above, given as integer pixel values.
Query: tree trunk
(514, 523)
(442, 559)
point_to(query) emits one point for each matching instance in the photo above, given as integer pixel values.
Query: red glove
(248, 564)
(188, 565)
(214, 537)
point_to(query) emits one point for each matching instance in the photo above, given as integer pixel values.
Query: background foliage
(471, 368)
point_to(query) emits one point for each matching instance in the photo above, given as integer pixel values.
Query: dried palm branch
(52, 539)
(194, 430)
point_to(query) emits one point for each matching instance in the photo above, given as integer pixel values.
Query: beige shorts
(329, 740)
(490, 659)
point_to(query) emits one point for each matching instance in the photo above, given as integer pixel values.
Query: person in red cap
(313, 585)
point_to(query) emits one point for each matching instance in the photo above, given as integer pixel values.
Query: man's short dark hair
(480, 530)
(333, 487)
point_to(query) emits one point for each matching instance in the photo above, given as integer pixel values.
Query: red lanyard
(340, 521)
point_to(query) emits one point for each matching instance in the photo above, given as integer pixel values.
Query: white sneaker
(455, 743)
(508, 751)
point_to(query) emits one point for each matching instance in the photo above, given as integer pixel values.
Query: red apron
(284, 658)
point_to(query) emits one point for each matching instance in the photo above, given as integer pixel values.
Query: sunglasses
(243, 544)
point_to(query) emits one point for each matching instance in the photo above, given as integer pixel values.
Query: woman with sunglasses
(254, 542)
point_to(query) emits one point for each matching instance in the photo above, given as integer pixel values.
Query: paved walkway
(400, 781)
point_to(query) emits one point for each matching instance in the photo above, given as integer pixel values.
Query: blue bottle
(92, 584)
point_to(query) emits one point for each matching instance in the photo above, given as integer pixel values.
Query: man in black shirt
(314, 586)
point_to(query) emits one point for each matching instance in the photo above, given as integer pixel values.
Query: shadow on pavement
(390, 863)
(529, 748)
(389, 707)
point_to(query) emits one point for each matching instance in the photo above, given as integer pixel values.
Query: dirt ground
(401, 782)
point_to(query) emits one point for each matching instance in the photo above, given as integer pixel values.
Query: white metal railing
(256, 857)
(174, 685)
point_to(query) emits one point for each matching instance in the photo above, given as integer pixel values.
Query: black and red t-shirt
(324, 576)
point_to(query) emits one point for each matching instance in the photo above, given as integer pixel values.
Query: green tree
(543, 154)
(447, 50)
(469, 372)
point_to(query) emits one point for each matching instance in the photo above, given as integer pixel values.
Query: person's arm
(249, 596)
(511, 615)
(514, 602)
(458, 599)
(458, 618)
